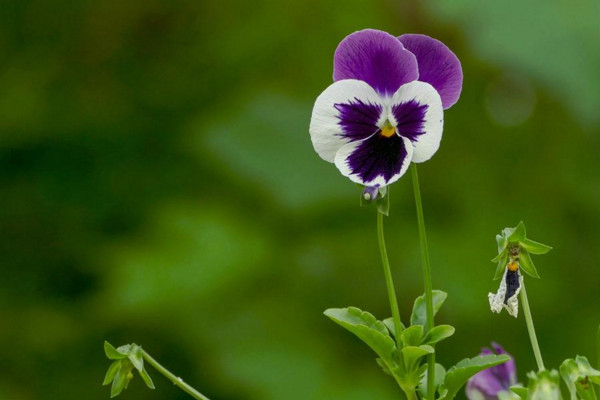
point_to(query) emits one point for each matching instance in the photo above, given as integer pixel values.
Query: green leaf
(459, 374)
(412, 355)
(146, 378)
(389, 323)
(419, 315)
(412, 335)
(570, 372)
(526, 264)
(506, 395)
(534, 247)
(502, 255)
(440, 373)
(367, 328)
(578, 375)
(518, 234)
(438, 334)
(112, 371)
(112, 353)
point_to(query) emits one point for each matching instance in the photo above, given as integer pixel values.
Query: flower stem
(530, 327)
(388, 277)
(598, 348)
(175, 379)
(429, 323)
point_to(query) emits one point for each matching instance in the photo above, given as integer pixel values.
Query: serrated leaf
(518, 234)
(534, 247)
(440, 373)
(412, 335)
(389, 323)
(438, 334)
(419, 314)
(146, 378)
(112, 371)
(112, 353)
(412, 355)
(459, 374)
(367, 328)
(526, 264)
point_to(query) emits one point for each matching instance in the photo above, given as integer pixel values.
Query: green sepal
(367, 328)
(526, 264)
(438, 334)
(520, 391)
(412, 335)
(389, 323)
(502, 242)
(502, 261)
(419, 313)
(518, 234)
(112, 353)
(459, 374)
(135, 356)
(383, 204)
(506, 395)
(578, 374)
(413, 354)
(122, 378)
(146, 378)
(440, 374)
(545, 385)
(534, 247)
(112, 372)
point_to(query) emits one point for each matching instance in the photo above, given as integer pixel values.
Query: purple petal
(487, 383)
(358, 118)
(375, 57)
(376, 161)
(438, 66)
(507, 372)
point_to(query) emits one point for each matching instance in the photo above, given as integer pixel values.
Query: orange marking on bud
(513, 266)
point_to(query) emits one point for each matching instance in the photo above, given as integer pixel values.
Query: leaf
(412, 335)
(135, 357)
(501, 255)
(518, 234)
(527, 265)
(505, 395)
(389, 323)
(459, 374)
(520, 391)
(412, 355)
(419, 315)
(502, 242)
(112, 371)
(146, 378)
(112, 353)
(367, 328)
(440, 373)
(534, 247)
(570, 372)
(438, 334)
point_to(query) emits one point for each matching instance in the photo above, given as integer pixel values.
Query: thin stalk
(388, 277)
(175, 379)
(598, 348)
(530, 327)
(429, 323)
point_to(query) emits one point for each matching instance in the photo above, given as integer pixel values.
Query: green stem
(429, 323)
(598, 348)
(530, 327)
(388, 277)
(175, 379)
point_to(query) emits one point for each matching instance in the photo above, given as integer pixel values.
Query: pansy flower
(510, 286)
(490, 383)
(385, 107)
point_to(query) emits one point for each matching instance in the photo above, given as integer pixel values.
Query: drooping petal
(347, 110)
(418, 115)
(506, 373)
(491, 381)
(377, 58)
(376, 161)
(438, 66)
(507, 295)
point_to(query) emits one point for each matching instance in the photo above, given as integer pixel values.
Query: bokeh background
(159, 187)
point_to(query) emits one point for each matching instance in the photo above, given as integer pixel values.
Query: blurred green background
(158, 186)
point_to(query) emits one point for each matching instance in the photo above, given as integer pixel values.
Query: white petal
(428, 142)
(326, 132)
(497, 300)
(344, 154)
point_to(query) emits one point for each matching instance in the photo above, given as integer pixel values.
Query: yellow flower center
(388, 130)
(513, 266)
